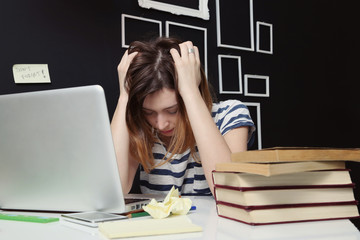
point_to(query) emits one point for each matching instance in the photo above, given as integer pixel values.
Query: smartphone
(91, 219)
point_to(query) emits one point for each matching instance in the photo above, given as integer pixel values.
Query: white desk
(214, 227)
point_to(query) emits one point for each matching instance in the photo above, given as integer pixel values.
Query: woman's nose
(162, 122)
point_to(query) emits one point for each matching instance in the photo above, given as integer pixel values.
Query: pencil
(138, 214)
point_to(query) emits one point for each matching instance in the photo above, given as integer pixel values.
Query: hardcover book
(288, 214)
(313, 178)
(287, 154)
(289, 195)
(270, 169)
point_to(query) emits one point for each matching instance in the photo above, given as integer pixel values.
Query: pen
(143, 214)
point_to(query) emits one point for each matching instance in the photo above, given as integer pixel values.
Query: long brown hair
(151, 70)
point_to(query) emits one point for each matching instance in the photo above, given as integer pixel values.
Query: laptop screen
(56, 152)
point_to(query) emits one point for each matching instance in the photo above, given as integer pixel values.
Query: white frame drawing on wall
(258, 122)
(123, 30)
(258, 36)
(238, 58)
(246, 84)
(167, 33)
(201, 12)
(218, 29)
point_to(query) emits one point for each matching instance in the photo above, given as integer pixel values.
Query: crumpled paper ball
(172, 204)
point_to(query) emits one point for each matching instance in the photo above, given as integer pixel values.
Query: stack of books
(283, 185)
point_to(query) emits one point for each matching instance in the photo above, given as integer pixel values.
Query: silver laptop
(57, 154)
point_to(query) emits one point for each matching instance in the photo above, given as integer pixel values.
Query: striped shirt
(183, 171)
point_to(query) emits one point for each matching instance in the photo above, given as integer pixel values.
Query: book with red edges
(284, 195)
(296, 197)
(290, 213)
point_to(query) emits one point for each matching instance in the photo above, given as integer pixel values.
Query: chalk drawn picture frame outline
(248, 77)
(220, 43)
(258, 37)
(201, 12)
(258, 122)
(167, 34)
(238, 58)
(123, 29)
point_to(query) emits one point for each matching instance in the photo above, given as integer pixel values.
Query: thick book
(288, 154)
(279, 196)
(288, 214)
(313, 178)
(270, 169)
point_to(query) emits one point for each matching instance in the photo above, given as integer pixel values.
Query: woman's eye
(148, 113)
(173, 111)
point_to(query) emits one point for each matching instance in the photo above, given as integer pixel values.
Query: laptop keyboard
(134, 200)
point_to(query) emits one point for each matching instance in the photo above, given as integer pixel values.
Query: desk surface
(214, 227)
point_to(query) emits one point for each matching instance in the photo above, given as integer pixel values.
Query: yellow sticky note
(31, 73)
(147, 227)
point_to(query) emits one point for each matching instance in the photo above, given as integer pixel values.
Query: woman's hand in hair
(187, 65)
(123, 68)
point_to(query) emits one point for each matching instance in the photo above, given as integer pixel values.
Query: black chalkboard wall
(312, 95)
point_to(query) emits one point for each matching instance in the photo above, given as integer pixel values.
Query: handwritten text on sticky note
(31, 73)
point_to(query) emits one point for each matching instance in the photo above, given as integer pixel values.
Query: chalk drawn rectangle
(261, 28)
(189, 32)
(247, 79)
(221, 73)
(241, 34)
(135, 28)
(257, 121)
(178, 8)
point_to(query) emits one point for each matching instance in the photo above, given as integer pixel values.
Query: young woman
(166, 122)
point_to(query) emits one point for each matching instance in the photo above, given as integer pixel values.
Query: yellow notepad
(147, 227)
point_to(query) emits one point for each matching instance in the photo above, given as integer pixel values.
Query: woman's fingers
(175, 55)
(187, 64)
(123, 67)
(126, 60)
(197, 54)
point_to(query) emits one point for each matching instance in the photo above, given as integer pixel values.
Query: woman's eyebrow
(175, 105)
(147, 109)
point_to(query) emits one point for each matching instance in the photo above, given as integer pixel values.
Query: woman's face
(161, 111)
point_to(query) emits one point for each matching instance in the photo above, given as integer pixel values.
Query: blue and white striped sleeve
(232, 114)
